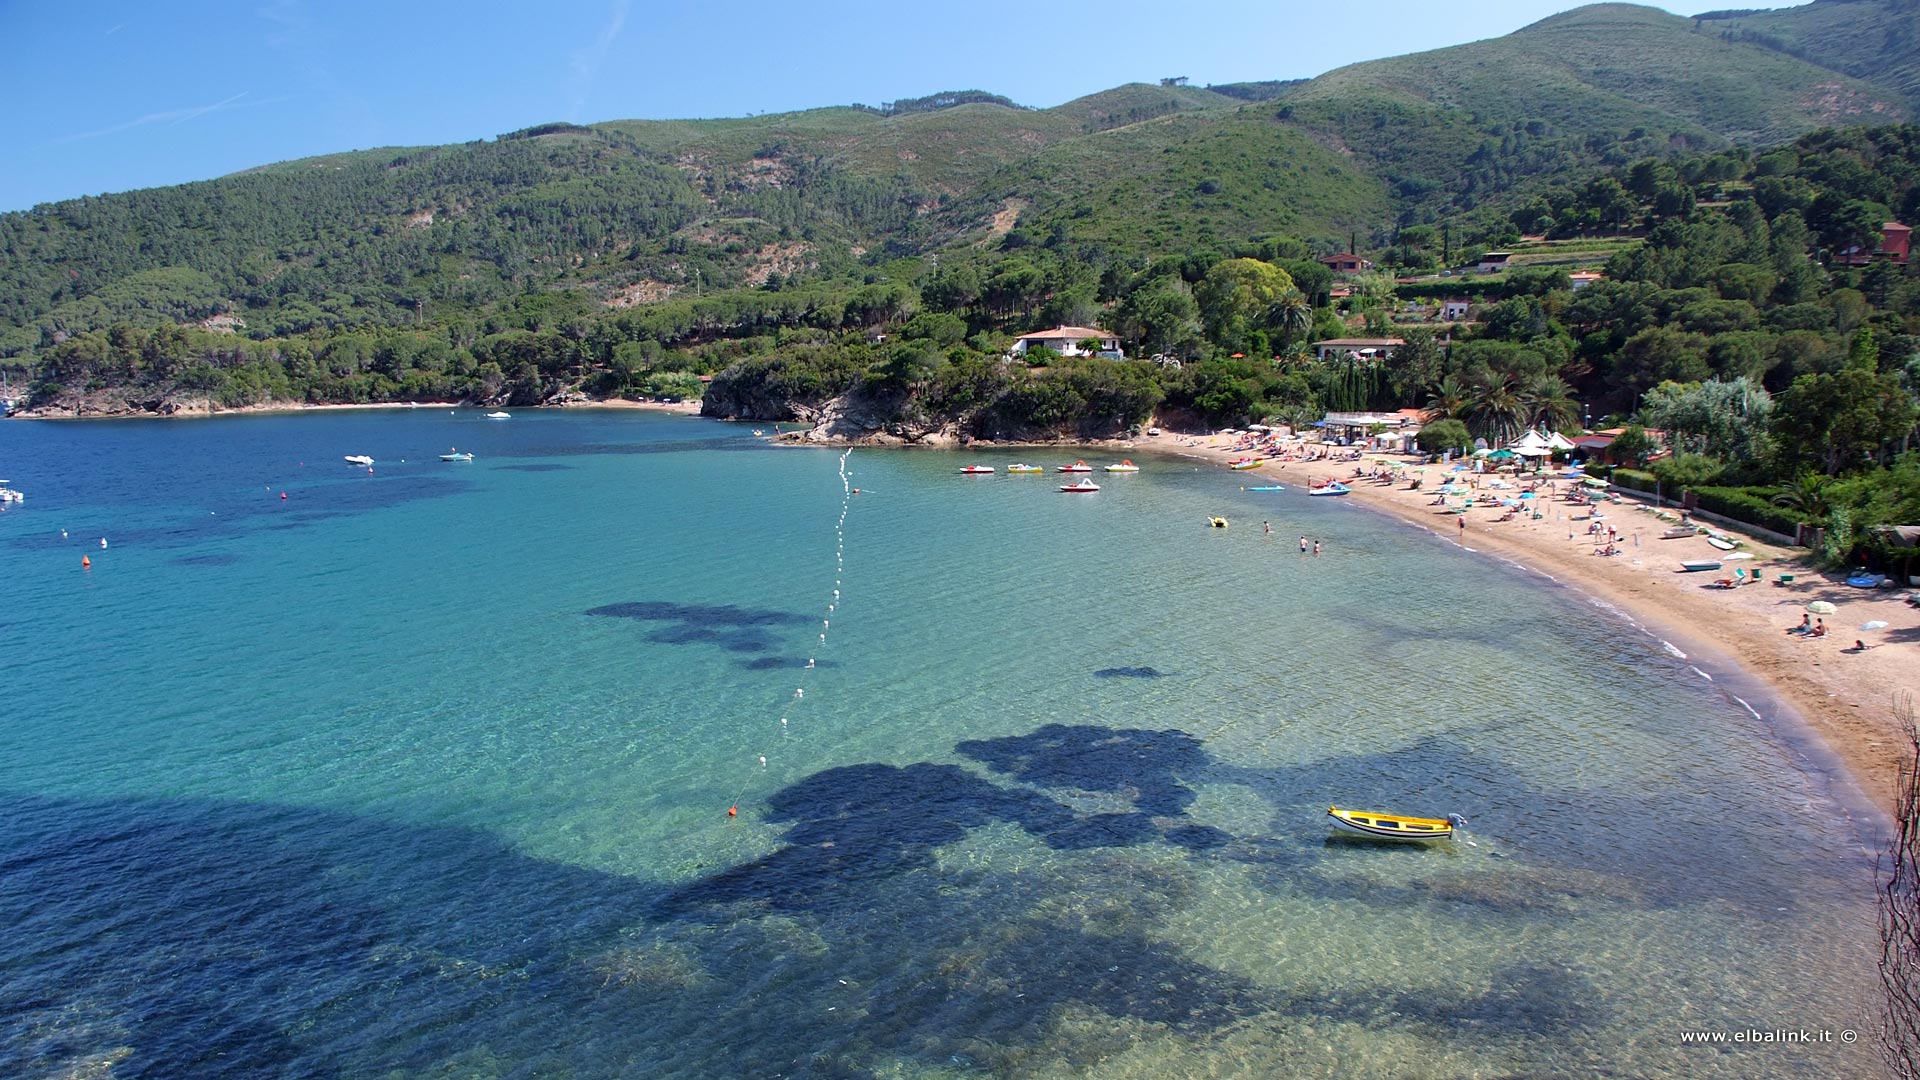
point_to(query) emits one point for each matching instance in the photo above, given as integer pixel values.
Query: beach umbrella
(1821, 607)
(1876, 624)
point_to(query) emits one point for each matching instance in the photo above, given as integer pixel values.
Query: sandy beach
(1848, 696)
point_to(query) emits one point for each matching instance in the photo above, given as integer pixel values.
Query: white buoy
(103, 541)
(799, 692)
(763, 761)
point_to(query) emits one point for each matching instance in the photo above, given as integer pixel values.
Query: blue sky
(109, 95)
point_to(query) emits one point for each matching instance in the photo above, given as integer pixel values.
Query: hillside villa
(1362, 348)
(1346, 263)
(1066, 340)
(1895, 240)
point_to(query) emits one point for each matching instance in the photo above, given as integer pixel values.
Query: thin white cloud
(114, 29)
(586, 62)
(169, 117)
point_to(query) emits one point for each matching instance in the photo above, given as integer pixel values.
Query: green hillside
(1614, 67)
(1875, 40)
(628, 214)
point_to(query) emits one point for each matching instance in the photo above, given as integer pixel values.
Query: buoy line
(826, 621)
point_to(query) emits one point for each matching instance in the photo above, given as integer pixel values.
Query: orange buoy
(86, 563)
(733, 811)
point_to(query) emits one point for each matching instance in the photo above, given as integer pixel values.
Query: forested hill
(629, 256)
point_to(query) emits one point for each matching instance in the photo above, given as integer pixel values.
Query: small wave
(1672, 650)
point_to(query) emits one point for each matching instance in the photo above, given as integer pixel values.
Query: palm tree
(1447, 400)
(1496, 412)
(1549, 401)
(1807, 493)
(1293, 314)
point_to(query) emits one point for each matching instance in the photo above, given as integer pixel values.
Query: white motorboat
(455, 455)
(359, 459)
(8, 495)
(499, 416)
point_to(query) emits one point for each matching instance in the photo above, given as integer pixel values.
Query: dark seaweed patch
(740, 630)
(1129, 673)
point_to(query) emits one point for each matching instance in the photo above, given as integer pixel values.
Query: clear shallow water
(424, 773)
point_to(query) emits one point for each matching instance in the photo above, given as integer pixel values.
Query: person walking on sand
(1463, 527)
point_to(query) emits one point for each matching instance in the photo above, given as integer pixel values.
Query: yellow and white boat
(1396, 826)
(1023, 467)
(1124, 466)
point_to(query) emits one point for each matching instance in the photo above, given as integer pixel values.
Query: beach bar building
(1396, 429)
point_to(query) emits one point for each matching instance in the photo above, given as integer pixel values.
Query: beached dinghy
(1694, 566)
(1677, 532)
(1244, 463)
(1395, 826)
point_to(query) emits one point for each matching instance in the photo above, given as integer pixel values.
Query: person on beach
(1805, 627)
(1463, 526)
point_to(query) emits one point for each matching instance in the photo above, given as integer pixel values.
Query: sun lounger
(1784, 579)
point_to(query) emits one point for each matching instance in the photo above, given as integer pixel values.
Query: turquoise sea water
(424, 772)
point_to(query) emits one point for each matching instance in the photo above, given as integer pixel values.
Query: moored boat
(1080, 486)
(1023, 467)
(1124, 466)
(1078, 466)
(455, 455)
(8, 495)
(1396, 826)
(977, 470)
(499, 416)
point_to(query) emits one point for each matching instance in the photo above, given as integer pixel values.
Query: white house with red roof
(1066, 340)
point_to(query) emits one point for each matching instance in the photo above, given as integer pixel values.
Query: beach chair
(1754, 578)
(1740, 576)
(1783, 579)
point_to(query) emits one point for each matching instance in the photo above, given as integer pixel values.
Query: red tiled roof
(1066, 333)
